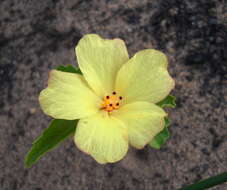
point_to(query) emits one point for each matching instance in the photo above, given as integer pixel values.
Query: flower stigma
(111, 102)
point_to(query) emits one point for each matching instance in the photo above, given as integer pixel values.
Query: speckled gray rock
(36, 36)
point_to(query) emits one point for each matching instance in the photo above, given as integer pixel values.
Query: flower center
(111, 102)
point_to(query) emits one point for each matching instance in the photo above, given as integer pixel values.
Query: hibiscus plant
(110, 102)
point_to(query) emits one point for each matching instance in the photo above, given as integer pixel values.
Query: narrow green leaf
(57, 131)
(207, 183)
(69, 69)
(169, 101)
(162, 137)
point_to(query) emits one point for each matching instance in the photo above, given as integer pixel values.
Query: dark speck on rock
(142, 154)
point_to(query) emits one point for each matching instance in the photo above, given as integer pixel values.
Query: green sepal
(162, 137)
(57, 131)
(169, 101)
(69, 69)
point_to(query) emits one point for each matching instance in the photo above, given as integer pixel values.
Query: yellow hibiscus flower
(114, 99)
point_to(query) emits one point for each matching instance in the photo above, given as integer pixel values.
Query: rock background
(36, 36)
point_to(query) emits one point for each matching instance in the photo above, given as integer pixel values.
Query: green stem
(207, 183)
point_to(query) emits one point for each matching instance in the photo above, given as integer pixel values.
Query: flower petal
(99, 60)
(68, 97)
(144, 121)
(104, 138)
(145, 77)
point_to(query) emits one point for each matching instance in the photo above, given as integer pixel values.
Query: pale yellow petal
(68, 97)
(99, 60)
(145, 77)
(144, 121)
(104, 138)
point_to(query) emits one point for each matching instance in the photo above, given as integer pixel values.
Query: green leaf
(169, 101)
(69, 69)
(207, 183)
(162, 137)
(57, 131)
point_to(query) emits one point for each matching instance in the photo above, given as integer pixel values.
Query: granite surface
(36, 36)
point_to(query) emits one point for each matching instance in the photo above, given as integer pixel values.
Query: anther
(111, 102)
